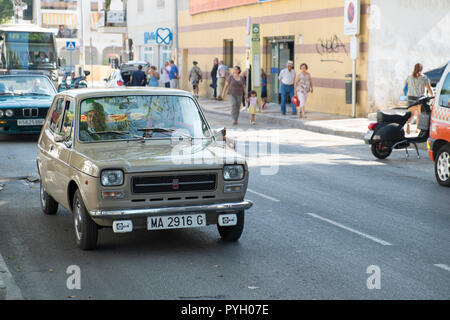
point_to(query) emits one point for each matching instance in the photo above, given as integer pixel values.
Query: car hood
(150, 157)
(27, 101)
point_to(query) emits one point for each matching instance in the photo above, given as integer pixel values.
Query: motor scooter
(388, 132)
(75, 83)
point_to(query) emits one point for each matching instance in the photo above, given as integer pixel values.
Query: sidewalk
(315, 121)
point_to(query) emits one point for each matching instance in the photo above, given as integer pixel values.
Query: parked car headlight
(1, 113)
(112, 178)
(9, 113)
(233, 172)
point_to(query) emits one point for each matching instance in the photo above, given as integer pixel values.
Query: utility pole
(83, 58)
(175, 33)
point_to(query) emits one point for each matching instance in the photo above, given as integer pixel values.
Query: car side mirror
(60, 138)
(220, 134)
(106, 80)
(87, 73)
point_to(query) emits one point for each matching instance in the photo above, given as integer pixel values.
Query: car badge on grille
(175, 184)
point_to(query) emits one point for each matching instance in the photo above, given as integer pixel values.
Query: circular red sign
(351, 12)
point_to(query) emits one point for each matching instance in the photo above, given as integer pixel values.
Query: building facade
(78, 21)
(150, 26)
(310, 32)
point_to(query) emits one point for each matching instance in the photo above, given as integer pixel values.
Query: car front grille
(28, 112)
(174, 183)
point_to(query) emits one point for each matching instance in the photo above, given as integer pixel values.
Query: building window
(228, 53)
(160, 4)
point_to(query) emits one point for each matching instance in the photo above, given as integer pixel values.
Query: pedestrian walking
(287, 78)
(221, 74)
(263, 88)
(165, 79)
(303, 85)
(153, 77)
(416, 82)
(236, 90)
(253, 106)
(214, 77)
(173, 75)
(195, 76)
(138, 77)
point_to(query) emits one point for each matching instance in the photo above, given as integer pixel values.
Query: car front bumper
(148, 212)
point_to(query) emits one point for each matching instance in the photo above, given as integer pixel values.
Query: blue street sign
(71, 46)
(164, 36)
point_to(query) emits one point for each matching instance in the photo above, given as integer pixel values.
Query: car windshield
(141, 117)
(29, 85)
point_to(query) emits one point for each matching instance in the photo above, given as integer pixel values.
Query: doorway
(281, 51)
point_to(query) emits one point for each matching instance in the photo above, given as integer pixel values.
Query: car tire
(86, 230)
(233, 233)
(380, 152)
(48, 204)
(442, 166)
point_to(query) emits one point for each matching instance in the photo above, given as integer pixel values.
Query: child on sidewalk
(253, 106)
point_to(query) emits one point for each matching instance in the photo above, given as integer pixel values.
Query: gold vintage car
(138, 158)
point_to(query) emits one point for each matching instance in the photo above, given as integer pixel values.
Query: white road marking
(263, 195)
(382, 242)
(443, 266)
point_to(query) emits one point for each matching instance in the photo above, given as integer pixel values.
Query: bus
(28, 49)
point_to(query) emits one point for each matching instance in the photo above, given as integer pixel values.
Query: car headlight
(111, 178)
(233, 172)
(1, 113)
(9, 113)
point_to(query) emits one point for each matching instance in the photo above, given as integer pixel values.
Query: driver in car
(95, 122)
(37, 88)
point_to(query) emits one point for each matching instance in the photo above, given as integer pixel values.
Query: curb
(294, 123)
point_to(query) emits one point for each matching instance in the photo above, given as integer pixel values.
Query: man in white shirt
(221, 73)
(287, 78)
(165, 79)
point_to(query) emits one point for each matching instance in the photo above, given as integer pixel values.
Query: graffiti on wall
(329, 46)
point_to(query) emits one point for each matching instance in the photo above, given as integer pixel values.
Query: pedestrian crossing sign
(71, 46)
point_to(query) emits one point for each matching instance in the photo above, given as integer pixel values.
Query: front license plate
(30, 122)
(176, 222)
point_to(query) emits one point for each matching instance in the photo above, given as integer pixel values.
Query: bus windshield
(30, 50)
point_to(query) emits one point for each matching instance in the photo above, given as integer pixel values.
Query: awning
(56, 19)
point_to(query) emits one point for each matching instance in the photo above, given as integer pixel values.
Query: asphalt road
(326, 214)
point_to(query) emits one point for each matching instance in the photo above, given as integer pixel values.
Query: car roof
(89, 92)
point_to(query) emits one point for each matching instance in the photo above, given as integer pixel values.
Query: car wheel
(442, 166)
(379, 151)
(233, 233)
(48, 204)
(86, 230)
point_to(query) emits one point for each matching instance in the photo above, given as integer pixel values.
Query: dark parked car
(127, 69)
(435, 75)
(24, 103)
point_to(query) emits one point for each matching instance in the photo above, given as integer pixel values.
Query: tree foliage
(6, 10)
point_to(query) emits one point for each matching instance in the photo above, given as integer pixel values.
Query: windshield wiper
(122, 133)
(35, 94)
(166, 131)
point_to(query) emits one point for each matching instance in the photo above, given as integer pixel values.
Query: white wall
(403, 33)
(148, 20)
